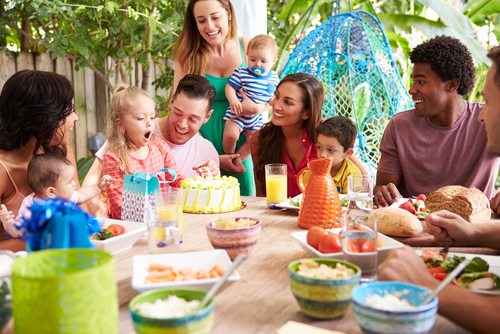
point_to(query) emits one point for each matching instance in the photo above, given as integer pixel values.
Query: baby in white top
(50, 176)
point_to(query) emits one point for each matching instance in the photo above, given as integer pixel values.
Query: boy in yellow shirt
(336, 137)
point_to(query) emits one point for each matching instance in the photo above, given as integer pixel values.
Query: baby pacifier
(258, 70)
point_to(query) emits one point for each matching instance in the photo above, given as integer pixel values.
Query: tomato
(315, 235)
(116, 229)
(421, 197)
(352, 246)
(436, 270)
(440, 276)
(368, 246)
(330, 244)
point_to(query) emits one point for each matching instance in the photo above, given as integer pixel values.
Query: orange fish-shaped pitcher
(320, 202)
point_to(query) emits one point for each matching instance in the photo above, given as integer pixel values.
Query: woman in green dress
(208, 45)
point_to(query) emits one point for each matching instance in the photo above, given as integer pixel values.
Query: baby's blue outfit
(259, 88)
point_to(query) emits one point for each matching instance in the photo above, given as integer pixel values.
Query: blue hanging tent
(350, 55)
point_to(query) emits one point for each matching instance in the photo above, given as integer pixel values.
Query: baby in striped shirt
(258, 83)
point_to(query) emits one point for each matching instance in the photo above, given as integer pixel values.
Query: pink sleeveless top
(13, 205)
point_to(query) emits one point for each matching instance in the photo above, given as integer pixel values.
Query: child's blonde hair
(123, 100)
(261, 42)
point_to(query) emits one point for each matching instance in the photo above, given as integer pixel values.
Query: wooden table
(261, 301)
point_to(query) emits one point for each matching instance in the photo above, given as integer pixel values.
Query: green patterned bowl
(323, 298)
(200, 322)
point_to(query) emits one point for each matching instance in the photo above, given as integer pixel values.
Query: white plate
(493, 261)
(287, 205)
(399, 202)
(133, 231)
(387, 245)
(196, 260)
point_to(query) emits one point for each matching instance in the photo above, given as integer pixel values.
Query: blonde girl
(133, 145)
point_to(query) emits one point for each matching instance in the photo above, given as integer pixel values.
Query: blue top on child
(259, 88)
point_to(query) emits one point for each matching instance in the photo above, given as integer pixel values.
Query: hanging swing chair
(350, 55)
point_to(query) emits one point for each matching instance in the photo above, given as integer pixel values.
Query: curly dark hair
(449, 58)
(34, 104)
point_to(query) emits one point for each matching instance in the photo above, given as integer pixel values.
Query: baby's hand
(104, 182)
(236, 107)
(9, 223)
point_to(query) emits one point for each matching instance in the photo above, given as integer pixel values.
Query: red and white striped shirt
(159, 157)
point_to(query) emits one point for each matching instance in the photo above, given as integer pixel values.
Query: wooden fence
(91, 93)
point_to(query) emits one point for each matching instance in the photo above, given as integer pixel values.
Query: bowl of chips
(236, 235)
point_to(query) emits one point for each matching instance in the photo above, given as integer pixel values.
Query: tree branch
(45, 45)
(103, 77)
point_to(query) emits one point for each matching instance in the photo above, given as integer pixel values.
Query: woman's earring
(229, 18)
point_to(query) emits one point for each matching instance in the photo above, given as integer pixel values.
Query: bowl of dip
(392, 308)
(172, 310)
(322, 287)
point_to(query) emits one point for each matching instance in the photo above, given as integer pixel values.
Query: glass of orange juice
(165, 221)
(276, 181)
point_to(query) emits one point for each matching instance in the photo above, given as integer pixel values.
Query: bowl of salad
(118, 235)
(482, 275)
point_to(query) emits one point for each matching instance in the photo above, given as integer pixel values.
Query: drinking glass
(360, 194)
(165, 221)
(359, 244)
(276, 181)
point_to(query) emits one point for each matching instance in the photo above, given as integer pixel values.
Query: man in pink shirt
(440, 142)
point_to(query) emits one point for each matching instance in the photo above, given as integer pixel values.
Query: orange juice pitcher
(320, 202)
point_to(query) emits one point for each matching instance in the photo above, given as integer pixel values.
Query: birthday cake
(210, 195)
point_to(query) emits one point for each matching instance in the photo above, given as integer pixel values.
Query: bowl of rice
(393, 308)
(172, 310)
(322, 287)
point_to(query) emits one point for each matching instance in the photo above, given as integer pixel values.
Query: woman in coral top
(36, 114)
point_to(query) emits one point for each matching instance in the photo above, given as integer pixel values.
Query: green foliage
(83, 166)
(90, 31)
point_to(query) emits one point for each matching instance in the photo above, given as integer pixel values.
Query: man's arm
(475, 312)
(450, 229)
(386, 191)
(495, 203)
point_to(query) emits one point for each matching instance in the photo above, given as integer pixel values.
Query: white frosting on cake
(211, 195)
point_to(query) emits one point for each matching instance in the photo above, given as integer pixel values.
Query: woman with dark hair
(36, 114)
(208, 45)
(290, 136)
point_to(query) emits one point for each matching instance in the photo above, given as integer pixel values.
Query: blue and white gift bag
(139, 193)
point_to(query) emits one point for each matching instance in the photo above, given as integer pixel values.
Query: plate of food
(385, 245)
(293, 203)
(482, 275)
(118, 235)
(415, 205)
(194, 269)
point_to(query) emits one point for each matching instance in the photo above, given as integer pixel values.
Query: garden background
(97, 44)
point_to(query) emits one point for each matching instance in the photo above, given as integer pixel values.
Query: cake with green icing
(210, 195)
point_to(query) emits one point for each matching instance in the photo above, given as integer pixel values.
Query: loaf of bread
(469, 203)
(397, 222)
